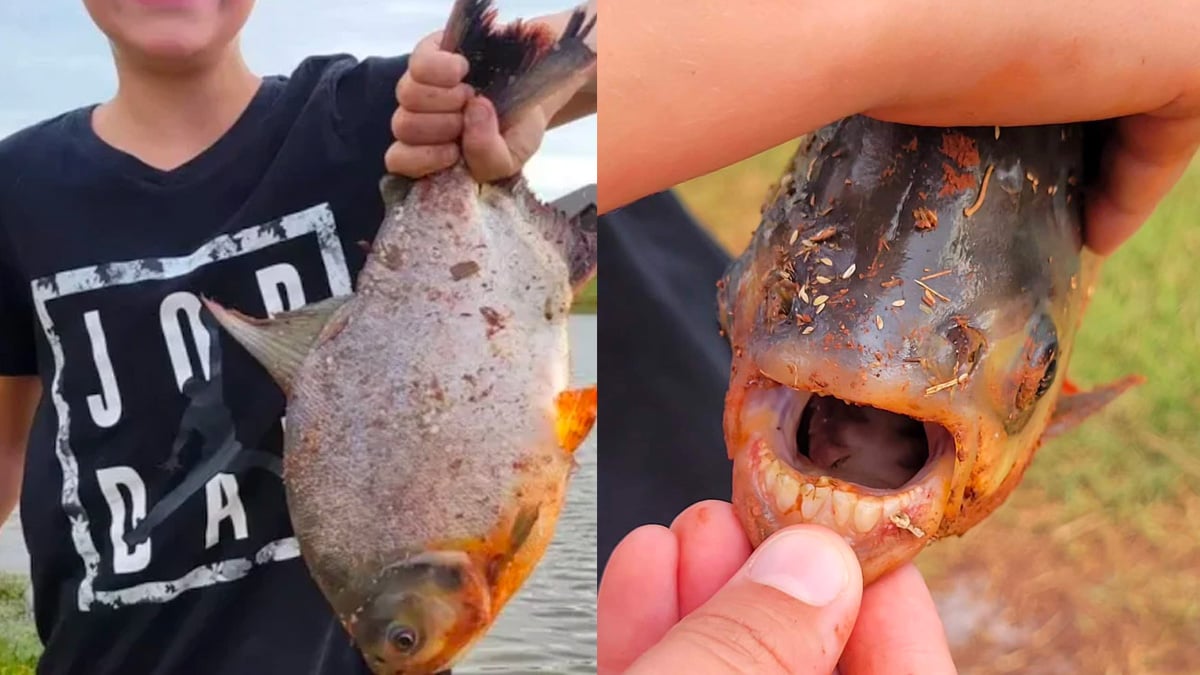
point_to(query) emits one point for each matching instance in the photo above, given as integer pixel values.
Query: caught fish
(430, 430)
(901, 326)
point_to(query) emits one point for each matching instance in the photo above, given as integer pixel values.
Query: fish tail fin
(517, 65)
(576, 416)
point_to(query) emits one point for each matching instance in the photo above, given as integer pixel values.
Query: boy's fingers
(428, 64)
(415, 161)
(426, 128)
(417, 97)
(488, 154)
(880, 643)
(1145, 158)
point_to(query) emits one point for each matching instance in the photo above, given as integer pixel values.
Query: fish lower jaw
(776, 486)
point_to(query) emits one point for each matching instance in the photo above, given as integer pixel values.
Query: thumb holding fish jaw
(789, 609)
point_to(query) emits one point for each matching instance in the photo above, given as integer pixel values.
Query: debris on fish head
(420, 611)
(901, 326)
(430, 431)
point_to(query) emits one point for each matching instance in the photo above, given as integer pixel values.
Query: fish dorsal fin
(1074, 405)
(281, 342)
(576, 414)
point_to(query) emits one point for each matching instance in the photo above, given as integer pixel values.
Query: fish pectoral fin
(523, 524)
(522, 527)
(394, 190)
(281, 342)
(576, 410)
(1075, 406)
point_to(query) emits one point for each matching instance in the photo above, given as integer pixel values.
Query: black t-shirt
(103, 261)
(664, 368)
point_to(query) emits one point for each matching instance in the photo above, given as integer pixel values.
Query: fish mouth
(878, 477)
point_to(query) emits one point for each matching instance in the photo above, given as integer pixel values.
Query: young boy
(197, 179)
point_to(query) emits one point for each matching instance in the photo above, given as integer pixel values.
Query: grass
(19, 646)
(1093, 565)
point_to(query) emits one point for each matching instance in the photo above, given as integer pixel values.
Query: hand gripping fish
(429, 431)
(901, 325)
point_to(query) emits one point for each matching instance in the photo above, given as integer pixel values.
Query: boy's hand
(437, 109)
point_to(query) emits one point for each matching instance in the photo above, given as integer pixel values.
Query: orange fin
(1075, 406)
(576, 415)
(1069, 388)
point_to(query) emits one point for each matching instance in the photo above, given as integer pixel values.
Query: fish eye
(1046, 358)
(402, 637)
(1037, 369)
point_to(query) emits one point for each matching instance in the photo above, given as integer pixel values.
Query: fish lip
(774, 488)
(790, 407)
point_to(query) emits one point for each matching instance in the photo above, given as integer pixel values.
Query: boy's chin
(173, 50)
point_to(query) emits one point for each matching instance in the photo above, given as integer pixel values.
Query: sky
(53, 59)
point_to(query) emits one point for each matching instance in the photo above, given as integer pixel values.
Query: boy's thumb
(790, 609)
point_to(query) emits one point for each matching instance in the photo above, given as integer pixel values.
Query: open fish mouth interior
(862, 450)
(861, 444)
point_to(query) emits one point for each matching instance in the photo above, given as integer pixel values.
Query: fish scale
(430, 432)
(452, 399)
(934, 276)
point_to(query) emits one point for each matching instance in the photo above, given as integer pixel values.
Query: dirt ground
(1030, 591)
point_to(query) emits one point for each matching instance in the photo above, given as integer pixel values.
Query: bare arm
(18, 400)
(690, 87)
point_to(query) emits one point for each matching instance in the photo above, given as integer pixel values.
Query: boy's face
(170, 31)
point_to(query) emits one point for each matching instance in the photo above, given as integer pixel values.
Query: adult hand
(694, 599)
(724, 84)
(437, 111)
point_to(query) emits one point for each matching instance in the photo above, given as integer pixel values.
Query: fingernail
(477, 113)
(802, 564)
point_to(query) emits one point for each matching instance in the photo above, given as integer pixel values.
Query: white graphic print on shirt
(123, 488)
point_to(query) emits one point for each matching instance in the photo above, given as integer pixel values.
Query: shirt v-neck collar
(206, 163)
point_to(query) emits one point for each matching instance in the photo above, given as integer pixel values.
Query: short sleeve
(18, 351)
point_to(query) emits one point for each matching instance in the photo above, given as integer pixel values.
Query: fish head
(421, 614)
(900, 345)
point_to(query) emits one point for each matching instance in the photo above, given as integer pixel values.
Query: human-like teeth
(866, 514)
(892, 506)
(843, 508)
(820, 501)
(810, 507)
(787, 490)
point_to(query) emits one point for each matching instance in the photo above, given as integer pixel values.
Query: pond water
(550, 626)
